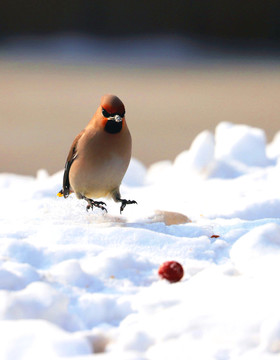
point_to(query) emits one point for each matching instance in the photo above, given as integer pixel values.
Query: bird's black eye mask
(108, 115)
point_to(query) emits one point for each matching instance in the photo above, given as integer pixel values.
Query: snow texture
(84, 285)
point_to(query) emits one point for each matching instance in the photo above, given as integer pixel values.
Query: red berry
(171, 271)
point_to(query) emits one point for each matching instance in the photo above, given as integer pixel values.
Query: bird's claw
(98, 204)
(126, 202)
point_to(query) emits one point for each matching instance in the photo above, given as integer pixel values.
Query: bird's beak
(116, 118)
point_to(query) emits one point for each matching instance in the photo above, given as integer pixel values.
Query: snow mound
(241, 143)
(39, 339)
(258, 250)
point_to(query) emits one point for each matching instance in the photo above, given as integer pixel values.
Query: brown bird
(99, 156)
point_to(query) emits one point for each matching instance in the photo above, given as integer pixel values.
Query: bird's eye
(122, 115)
(105, 113)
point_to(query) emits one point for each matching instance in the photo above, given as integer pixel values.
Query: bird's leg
(92, 203)
(124, 203)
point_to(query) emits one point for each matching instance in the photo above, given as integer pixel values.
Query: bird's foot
(92, 203)
(126, 202)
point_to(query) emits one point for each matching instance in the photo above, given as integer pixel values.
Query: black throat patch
(113, 127)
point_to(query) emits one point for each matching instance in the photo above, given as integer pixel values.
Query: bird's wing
(69, 161)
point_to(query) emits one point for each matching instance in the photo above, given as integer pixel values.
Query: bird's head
(113, 112)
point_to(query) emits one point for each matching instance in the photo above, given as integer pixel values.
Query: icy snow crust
(84, 285)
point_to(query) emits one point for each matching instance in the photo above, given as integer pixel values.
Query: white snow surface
(84, 285)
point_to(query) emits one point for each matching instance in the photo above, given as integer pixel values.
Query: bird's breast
(102, 160)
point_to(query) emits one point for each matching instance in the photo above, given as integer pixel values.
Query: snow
(84, 285)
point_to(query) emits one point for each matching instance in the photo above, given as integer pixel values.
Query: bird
(99, 157)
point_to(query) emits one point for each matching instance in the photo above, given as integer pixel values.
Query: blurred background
(180, 67)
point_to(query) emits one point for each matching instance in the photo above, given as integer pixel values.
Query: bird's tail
(60, 193)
